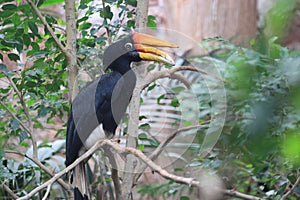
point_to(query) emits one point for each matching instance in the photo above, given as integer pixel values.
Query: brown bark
(134, 108)
(71, 32)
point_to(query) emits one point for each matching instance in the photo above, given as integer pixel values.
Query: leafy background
(257, 153)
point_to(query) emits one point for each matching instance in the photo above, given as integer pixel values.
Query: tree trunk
(233, 20)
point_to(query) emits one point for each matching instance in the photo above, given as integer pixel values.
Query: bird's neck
(121, 65)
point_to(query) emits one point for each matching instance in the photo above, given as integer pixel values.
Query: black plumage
(97, 110)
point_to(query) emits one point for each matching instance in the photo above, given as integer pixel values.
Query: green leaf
(13, 56)
(151, 87)
(145, 126)
(131, 2)
(184, 198)
(160, 98)
(178, 89)
(9, 7)
(33, 27)
(26, 39)
(130, 23)
(151, 22)
(43, 111)
(85, 25)
(141, 147)
(24, 144)
(14, 124)
(106, 13)
(142, 136)
(16, 19)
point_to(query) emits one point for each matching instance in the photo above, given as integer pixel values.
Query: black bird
(97, 110)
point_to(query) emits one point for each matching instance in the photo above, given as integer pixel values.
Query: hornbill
(97, 110)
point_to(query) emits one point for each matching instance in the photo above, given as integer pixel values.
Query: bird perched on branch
(97, 110)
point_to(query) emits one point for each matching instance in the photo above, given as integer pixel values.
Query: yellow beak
(145, 45)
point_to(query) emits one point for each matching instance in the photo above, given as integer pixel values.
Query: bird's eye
(128, 46)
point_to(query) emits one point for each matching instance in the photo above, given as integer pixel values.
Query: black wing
(89, 109)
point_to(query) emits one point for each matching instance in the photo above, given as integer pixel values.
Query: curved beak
(146, 46)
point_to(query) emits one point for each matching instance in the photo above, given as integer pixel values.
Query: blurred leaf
(151, 22)
(51, 2)
(3, 69)
(291, 146)
(33, 27)
(13, 56)
(23, 135)
(131, 2)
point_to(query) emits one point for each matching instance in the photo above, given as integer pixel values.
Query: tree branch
(161, 147)
(9, 191)
(291, 189)
(134, 107)
(47, 192)
(169, 176)
(71, 49)
(29, 129)
(84, 156)
(139, 154)
(234, 193)
(38, 13)
(65, 185)
(15, 117)
(152, 76)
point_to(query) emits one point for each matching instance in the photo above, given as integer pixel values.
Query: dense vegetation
(257, 152)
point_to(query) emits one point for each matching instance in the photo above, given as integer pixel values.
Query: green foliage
(258, 151)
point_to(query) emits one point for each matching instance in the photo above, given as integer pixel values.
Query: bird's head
(134, 48)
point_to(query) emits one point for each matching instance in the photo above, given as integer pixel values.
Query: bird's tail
(80, 184)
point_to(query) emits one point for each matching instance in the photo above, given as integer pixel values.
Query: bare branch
(169, 72)
(182, 79)
(9, 191)
(291, 189)
(29, 129)
(235, 193)
(15, 117)
(38, 13)
(169, 176)
(47, 192)
(145, 159)
(134, 107)
(84, 156)
(162, 145)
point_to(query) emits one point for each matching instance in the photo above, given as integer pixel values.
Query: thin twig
(139, 154)
(182, 79)
(291, 189)
(152, 76)
(234, 193)
(26, 111)
(15, 117)
(169, 176)
(162, 146)
(65, 185)
(66, 170)
(47, 192)
(38, 13)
